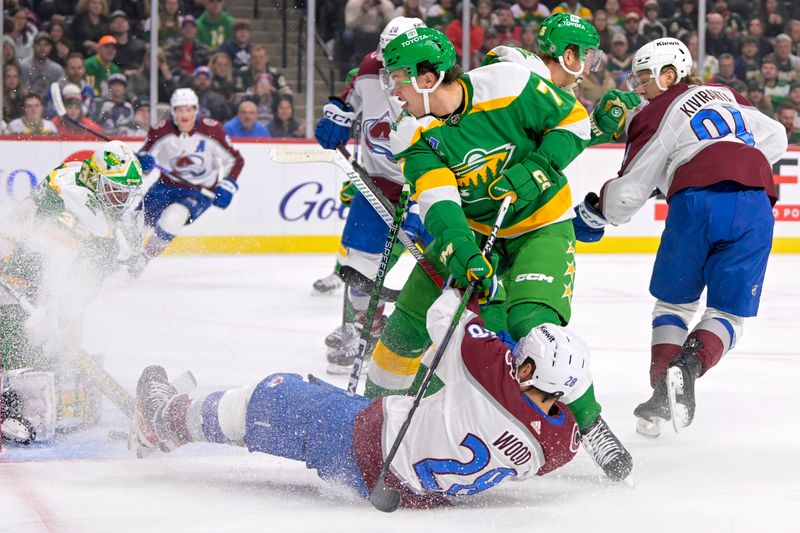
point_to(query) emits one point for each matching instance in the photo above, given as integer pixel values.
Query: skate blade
(339, 370)
(678, 412)
(649, 427)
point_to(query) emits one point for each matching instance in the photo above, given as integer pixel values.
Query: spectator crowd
(752, 46)
(98, 53)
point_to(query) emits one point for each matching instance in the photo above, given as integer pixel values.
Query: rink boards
(294, 208)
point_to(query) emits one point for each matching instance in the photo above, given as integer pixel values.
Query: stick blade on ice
(384, 498)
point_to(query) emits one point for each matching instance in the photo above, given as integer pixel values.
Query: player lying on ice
(57, 246)
(498, 417)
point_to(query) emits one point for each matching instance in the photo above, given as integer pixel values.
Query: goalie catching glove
(333, 128)
(589, 222)
(608, 116)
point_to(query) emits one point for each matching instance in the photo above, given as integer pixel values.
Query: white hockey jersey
(693, 136)
(378, 110)
(199, 158)
(473, 433)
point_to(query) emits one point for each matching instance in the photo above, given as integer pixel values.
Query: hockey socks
(710, 341)
(586, 409)
(669, 334)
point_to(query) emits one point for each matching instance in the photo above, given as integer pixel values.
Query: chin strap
(426, 92)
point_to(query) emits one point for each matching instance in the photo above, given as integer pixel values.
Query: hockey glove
(147, 161)
(414, 228)
(589, 222)
(224, 192)
(608, 116)
(524, 182)
(464, 260)
(347, 192)
(333, 128)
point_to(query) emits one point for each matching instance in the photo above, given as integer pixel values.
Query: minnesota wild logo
(481, 166)
(111, 160)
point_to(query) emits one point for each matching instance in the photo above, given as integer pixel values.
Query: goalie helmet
(115, 176)
(656, 55)
(395, 27)
(560, 357)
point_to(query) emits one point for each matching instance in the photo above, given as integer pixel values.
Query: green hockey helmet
(561, 30)
(405, 53)
(115, 176)
(409, 49)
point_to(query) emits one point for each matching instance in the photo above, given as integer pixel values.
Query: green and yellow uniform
(523, 126)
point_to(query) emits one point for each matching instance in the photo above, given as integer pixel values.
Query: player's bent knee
(173, 218)
(724, 322)
(685, 312)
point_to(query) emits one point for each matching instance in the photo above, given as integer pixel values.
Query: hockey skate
(343, 344)
(652, 413)
(607, 450)
(681, 375)
(328, 284)
(13, 426)
(158, 424)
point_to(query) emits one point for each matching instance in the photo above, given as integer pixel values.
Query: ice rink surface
(233, 320)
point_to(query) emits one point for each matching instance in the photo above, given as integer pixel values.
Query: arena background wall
(295, 208)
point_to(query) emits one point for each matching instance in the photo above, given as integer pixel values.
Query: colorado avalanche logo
(376, 135)
(188, 164)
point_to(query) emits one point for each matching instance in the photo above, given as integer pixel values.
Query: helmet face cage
(117, 196)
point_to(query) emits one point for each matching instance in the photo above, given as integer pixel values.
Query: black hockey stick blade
(353, 277)
(384, 498)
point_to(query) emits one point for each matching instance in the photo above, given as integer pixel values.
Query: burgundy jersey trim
(488, 360)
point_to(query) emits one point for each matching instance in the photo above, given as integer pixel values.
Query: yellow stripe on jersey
(577, 114)
(391, 362)
(548, 213)
(491, 105)
(438, 177)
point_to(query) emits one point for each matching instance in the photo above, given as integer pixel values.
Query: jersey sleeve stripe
(577, 114)
(391, 362)
(552, 211)
(428, 198)
(438, 177)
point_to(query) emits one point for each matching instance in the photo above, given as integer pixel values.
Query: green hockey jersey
(508, 114)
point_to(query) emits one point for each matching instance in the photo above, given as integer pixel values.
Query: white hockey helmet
(183, 97)
(395, 27)
(561, 359)
(658, 54)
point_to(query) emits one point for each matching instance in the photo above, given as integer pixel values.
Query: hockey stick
(385, 498)
(375, 295)
(61, 111)
(97, 374)
(365, 185)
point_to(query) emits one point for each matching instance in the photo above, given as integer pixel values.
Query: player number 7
(543, 88)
